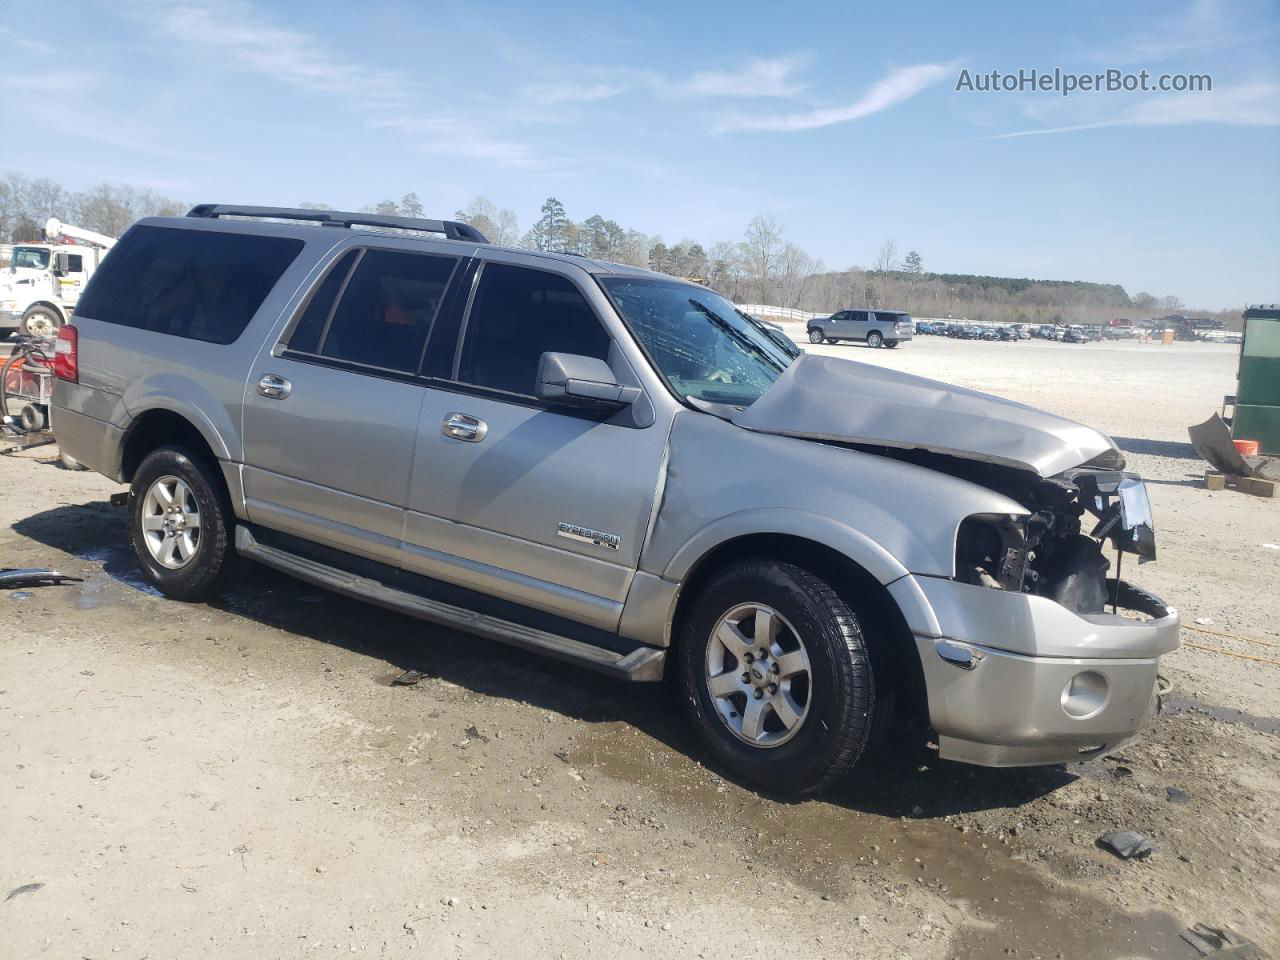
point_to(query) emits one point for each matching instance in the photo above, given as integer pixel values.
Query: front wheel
(874, 339)
(776, 678)
(40, 322)
(180, 524)
(815, 336)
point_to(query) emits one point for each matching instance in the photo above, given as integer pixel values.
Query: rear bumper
(95, 443)
(1016, 680)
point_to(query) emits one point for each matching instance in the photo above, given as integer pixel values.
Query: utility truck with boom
(39, 289)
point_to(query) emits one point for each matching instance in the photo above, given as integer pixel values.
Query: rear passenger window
(187, 283)
(383, 315)
(310, 329)
(518, 315)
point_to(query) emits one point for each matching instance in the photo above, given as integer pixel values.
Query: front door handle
(459, 426)
(273, 387)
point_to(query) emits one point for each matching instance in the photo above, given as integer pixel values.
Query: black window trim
(284, 352)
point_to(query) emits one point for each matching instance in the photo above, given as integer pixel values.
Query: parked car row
(963, 330)
(1008, 332)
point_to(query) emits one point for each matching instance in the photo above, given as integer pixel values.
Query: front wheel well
(46, 305)
(858, 588)
(161, 428)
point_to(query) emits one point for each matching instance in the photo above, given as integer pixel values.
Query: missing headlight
(992, 551)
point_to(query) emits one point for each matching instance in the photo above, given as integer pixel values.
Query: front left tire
(775, 674)
(40, 322)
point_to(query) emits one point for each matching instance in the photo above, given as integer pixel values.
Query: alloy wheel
(171, 522)
(758, 675)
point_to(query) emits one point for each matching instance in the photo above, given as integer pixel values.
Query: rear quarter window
(196, 284)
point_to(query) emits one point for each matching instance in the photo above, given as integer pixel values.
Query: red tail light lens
(66, 363)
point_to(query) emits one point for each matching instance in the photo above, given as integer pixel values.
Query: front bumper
(1017, 680)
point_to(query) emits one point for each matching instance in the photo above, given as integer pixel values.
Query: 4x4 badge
(571, 531)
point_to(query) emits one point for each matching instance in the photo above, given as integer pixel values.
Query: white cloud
(13, 38)
(759, 77)
(898, 85)
(548, 94)
(1250, 105)
(385, 99)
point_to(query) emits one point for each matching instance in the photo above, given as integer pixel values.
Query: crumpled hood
(830, 398)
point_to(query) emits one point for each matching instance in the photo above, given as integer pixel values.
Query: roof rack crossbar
(451, 229)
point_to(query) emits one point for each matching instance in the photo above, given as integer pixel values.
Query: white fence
(765, 312)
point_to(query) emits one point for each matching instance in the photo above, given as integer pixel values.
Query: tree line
(764, 266)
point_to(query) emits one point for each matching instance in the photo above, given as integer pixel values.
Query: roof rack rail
(338, 218)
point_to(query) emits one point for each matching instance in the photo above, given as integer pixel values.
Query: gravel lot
(240, 779)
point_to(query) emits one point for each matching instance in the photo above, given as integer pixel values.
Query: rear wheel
(180, 524)
(40, 322)
(815, 335)
(776, 678)
(892, 343)
(874, 339)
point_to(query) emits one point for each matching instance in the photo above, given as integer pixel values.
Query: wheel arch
(49, 305)
(847, 574)
(162, 426)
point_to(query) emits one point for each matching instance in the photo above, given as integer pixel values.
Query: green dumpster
(1257, 407)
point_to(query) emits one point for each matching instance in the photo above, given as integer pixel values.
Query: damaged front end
(1056, 550)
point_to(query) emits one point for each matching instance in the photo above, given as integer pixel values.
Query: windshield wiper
(737, 335)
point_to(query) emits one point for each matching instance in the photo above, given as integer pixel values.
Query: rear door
(331, 412)
(541, 505)
(857, 325)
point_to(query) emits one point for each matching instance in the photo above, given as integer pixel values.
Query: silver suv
(875, 328)
(619, 469)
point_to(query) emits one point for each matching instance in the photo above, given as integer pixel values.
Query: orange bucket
(1247, 448)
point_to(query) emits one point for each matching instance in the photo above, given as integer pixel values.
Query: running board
(642, 665)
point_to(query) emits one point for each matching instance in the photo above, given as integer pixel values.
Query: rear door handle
(459, 426)
(274, 387)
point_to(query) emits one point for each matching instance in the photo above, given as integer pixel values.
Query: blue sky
(685, 120)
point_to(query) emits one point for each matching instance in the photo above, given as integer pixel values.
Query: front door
(536, 505)
(331, 414)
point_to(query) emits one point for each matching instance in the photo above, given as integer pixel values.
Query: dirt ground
(240, 778)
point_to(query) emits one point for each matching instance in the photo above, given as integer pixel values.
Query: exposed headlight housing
(992, 550)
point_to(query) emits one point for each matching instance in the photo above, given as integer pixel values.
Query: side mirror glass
(571, 380)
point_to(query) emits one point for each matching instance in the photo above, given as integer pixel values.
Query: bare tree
(499, 226)
(761, 249)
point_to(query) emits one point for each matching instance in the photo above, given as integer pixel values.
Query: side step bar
(643, 665)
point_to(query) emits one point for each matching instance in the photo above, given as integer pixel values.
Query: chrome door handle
(459, 426)
(274, 387)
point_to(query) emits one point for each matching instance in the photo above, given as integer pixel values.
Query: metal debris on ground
(1127, 844)
(409, 678)
(1177, 796)
(13, 578)
(1221, 942)
(25, 888)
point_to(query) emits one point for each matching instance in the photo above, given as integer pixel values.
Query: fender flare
(193, 415)
(855, 545)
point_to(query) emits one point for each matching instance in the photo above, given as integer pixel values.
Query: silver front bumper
(1017, 680)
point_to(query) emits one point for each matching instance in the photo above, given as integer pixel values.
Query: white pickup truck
(39, 289)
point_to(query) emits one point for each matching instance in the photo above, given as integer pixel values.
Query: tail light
(66, 361)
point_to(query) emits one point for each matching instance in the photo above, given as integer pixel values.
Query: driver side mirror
(568, 379)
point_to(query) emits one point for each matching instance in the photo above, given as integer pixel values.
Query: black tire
(213, 560)
(843, 709)
(874, 339)
(39, 314)
(892, 343)
(32, 418)
(815, 335)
